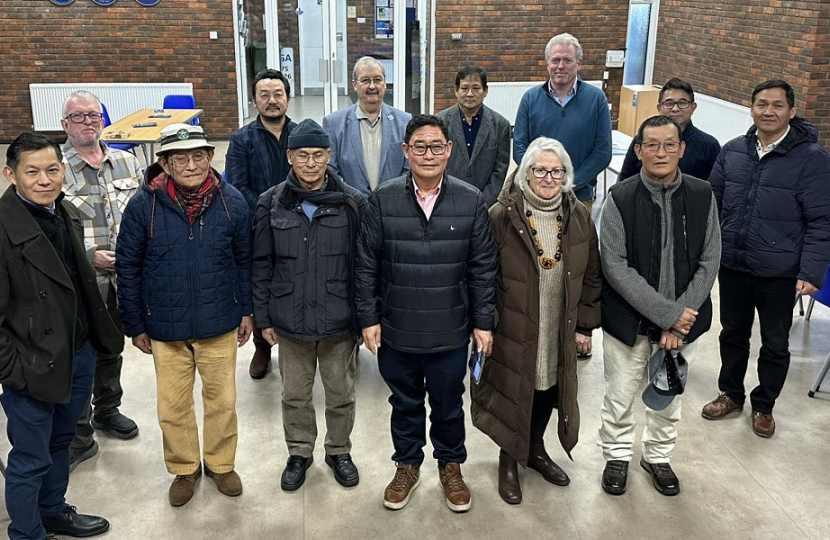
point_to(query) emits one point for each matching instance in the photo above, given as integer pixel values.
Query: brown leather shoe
(183, 486)
(404, 482)
(455, 490)
(720, 407)
(763, 424)
(227, 483)
(509, 488)
(539, 460)
(260, 363)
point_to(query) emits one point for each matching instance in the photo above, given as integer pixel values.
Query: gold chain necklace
(546, 262)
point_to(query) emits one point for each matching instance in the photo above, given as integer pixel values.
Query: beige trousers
(625, 368)
(176, 366)
(298, 362)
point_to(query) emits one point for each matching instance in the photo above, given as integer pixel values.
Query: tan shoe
(404, 482)
(183, 486)
(455, 490)
(227, 483)
(720, 407)
(763, 424)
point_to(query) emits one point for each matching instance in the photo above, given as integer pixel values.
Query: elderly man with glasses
(366, 137)
(183, 262)
(660, 254)
(99, 181)
(677, 101)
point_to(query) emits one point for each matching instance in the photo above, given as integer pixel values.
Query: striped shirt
(101, 195)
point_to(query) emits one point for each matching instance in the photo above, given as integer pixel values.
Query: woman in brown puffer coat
(546, 306)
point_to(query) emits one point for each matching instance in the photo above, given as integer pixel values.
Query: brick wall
(125, 42)
(724, 50)
(508, 39)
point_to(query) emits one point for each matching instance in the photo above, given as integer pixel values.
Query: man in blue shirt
(677, 101)
(568, 110)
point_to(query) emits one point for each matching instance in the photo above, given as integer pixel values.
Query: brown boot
(183, 486)
(404, 482)
(540, 461)
(260, 363)
(456, 492)
(227, 483)
(509, 488)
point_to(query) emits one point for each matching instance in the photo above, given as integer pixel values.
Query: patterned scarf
(193, 203)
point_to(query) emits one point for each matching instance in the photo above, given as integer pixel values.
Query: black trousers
(544, 401)
(413, 376)
(741, 294)
(106, 387)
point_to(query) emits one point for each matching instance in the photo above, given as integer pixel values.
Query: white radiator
(121, 99)
(504, 97)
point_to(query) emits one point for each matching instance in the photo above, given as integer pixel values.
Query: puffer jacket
(428, 283)
(775, 211)
(503, 399)
(180, 282)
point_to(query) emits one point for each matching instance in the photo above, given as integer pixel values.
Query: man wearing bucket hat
(660, 254)
(305, 232)
(183, 262)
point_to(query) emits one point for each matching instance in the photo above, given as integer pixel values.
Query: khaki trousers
(176, 366)
(625, 368)
(298, 365)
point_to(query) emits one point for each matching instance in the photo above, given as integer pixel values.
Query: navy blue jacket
(775, 211)
(248, 162)
(172, 286)
(701, 152)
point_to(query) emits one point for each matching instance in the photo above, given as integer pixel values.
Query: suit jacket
(343, 129)
(486, 168)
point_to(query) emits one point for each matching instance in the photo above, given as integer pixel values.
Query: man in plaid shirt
(99, 181)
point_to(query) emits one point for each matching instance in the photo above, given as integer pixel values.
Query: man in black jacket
(53, 323)
(425, 278)
(303, 286)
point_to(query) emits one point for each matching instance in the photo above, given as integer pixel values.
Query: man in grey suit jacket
(480, 135)
(366, 137)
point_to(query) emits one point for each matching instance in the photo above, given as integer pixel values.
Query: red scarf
(193, 203)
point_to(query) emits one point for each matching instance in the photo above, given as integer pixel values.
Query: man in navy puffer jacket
(772, 187)
(184, 289)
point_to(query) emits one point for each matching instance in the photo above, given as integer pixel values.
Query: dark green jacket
(37, 304)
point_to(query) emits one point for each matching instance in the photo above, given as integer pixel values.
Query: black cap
(308, 134)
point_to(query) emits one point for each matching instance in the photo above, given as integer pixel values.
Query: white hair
(563, 39)
(545, 144)
(366, 61)
(80, 94)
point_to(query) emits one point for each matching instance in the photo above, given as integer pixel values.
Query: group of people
(405, 234)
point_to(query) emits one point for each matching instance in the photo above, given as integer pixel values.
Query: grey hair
(563, 39)
(83, 94)
(366, 61)
(539, 145)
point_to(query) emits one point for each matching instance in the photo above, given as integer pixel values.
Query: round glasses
(181, 160)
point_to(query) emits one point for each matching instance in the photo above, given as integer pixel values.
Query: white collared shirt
(764, 151)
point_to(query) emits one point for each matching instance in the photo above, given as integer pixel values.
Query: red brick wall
(508, 38)
(125, 42)
(725, 50)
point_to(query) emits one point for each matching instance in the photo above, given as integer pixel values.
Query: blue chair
(128, 147)
(181, 101)
(822, 296)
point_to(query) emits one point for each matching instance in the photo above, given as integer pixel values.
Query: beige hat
(182, 137)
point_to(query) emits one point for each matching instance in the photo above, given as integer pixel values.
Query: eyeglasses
(541, 172)
(653, 147)
(682, 104)
(318, 158)
(366, 81)
(421, 149)
(79, 118)
(181, 160)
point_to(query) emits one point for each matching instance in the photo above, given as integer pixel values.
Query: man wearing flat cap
(183, 262)
(305, 230)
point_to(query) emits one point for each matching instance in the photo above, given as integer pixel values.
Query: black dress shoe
(71, 523)
(345, 471)
(539, 460)
(615, 476)
(662, 477)
(293, 476)
(116, 424)
(78, 455)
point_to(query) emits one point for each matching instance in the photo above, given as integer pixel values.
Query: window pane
(639, 17)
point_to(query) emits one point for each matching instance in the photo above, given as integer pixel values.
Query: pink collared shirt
(427, 200)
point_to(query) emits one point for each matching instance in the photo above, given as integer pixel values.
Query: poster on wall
(384, 15)
(287, 65)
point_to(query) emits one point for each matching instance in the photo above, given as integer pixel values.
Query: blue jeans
(38, 468)
(410, 377)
